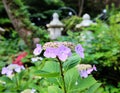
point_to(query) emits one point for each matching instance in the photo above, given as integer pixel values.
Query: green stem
(17, 83)
(62, 75)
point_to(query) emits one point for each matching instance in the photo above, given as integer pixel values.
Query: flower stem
(62, 75)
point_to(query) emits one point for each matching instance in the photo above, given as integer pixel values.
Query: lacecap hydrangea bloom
(11, 68)
(85, 69)
(62, 50)
(16, 65)
(59, 50)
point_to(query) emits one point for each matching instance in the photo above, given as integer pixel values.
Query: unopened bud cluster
(57, 44)
(81, 67)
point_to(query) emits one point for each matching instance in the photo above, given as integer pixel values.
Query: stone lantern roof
(55, 22)
(86, 21)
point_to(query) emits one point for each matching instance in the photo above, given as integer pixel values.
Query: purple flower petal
(37, 50)
(50, 52)
(4, 70)
(79, 50)
(38, 45)
(18, 69)
(94, 68)
(84, 74)
(9, 73)
(89, 70)
(63, 57)
(63, 52)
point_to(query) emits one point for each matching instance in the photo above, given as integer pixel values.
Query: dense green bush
(102, 45)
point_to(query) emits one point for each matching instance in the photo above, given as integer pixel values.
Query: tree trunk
(80, 6)
(17, 22)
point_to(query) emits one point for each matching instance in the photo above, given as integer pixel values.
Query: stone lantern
(86, 21)
(55, 27)
(86, 36)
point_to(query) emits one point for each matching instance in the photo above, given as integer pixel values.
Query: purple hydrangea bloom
(37, 50)
(6, 71)
(84, 73)
(50, 52)
(19, 68)
(79, 50)
(63, 52)
(11, 68)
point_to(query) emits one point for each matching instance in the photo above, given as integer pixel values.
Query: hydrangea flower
(83, 73)
(6, 71)
(79, 50)
(11, 68)
(50, 52)
(85, 69)
(37, 50)
(62, 52)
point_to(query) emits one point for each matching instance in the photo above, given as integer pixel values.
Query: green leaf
(71, 77)
(55, 81)
(83, 84)
(50, 69)
(1, 87)
(72, 61)
(93, 88)
(47, 74)
(6, 79)
(54, 89)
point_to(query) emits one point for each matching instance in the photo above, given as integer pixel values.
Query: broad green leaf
(83, 84)
(93, 88)
(72, 61)
(54, 80)
(71, 77)
(54, 89)
(6, 79)
(1, 87)
(50, 69)
(47, 74)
